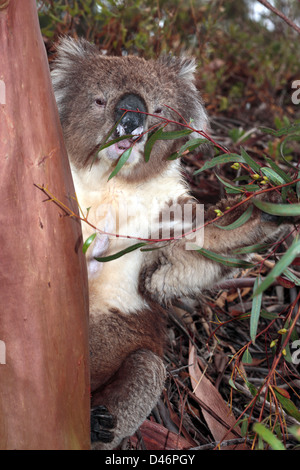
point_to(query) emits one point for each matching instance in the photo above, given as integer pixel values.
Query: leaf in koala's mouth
(122, 160)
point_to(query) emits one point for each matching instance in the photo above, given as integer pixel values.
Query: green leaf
(268, 436)
(282, 210)
(88, 242)
(232, 262)
(238, 189)
(282, 131)
(240, 221)
(120, 253)
(268, 315)
(114, 141)
(231, 383)
(104, 144)
(121, 162)
(272, 175)
(229, 188)
(289, 138)
(292, 277)
(150, 142)
(253, 165)
(190, 145)
(278, 170)
(255, 311)
(172, 135)
(225, 158)
(247, 358)
(280, 266)
(295, 430)
(288, 406)
(253, 390)
(259, 247)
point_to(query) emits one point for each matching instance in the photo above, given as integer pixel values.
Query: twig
(215, 444)
(279, 13)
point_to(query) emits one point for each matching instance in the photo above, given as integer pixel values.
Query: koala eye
(100, 102)
(158, 111)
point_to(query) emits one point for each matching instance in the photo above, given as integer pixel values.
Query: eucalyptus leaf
(247, 358)
(121, 162)
(230, 188)
(282, 210)
(257, 248)
(268, 436)
(288, 406)
(279, 171)
(249, 160)
(283, 131)
(227, 261)
(225, 158)
(273, 176)
(88, 242)
(238, 189)
(150, 142)
(190, 145)
(240, 221)
(255, 311)
(131, 248)
(172, 135)
(280, 266)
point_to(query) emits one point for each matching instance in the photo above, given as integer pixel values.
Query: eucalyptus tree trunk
(44, 376)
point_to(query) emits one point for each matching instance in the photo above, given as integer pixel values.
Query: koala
(99, 96)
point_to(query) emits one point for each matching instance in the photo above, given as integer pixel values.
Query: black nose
(130, 121)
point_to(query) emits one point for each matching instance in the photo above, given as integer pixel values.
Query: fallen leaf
(209, 395)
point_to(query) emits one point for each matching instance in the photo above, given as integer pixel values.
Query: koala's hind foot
(101, 424)
(129, 397)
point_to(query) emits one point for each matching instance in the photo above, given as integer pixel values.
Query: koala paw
(101, 424)
(153, 282)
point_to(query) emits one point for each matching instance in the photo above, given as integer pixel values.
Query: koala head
(93, 90)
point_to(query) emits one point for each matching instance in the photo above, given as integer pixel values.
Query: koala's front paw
(153, 282)
(101, 424)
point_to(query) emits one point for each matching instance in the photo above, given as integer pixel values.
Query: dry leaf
(209, 395)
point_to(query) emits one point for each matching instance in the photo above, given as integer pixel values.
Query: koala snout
(130, 123)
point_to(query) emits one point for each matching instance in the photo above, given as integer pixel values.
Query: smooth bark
(44, 376)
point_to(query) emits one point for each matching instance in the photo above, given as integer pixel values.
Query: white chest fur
(117, 207)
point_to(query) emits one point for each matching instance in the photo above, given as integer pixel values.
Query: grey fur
(126, 318)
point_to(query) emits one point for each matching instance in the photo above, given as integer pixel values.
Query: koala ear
(187, 68)
(70, 54)
(184, 67)
(69, 49)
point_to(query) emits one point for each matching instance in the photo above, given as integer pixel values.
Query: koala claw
(101, 423)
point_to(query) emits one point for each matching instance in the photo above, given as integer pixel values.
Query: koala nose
(130, 121)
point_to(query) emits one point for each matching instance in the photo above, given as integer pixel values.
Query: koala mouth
(137, 134)
(135, 141)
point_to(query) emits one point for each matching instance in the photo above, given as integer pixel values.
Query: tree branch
(279, 13)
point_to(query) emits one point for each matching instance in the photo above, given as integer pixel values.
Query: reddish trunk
(44, 385)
